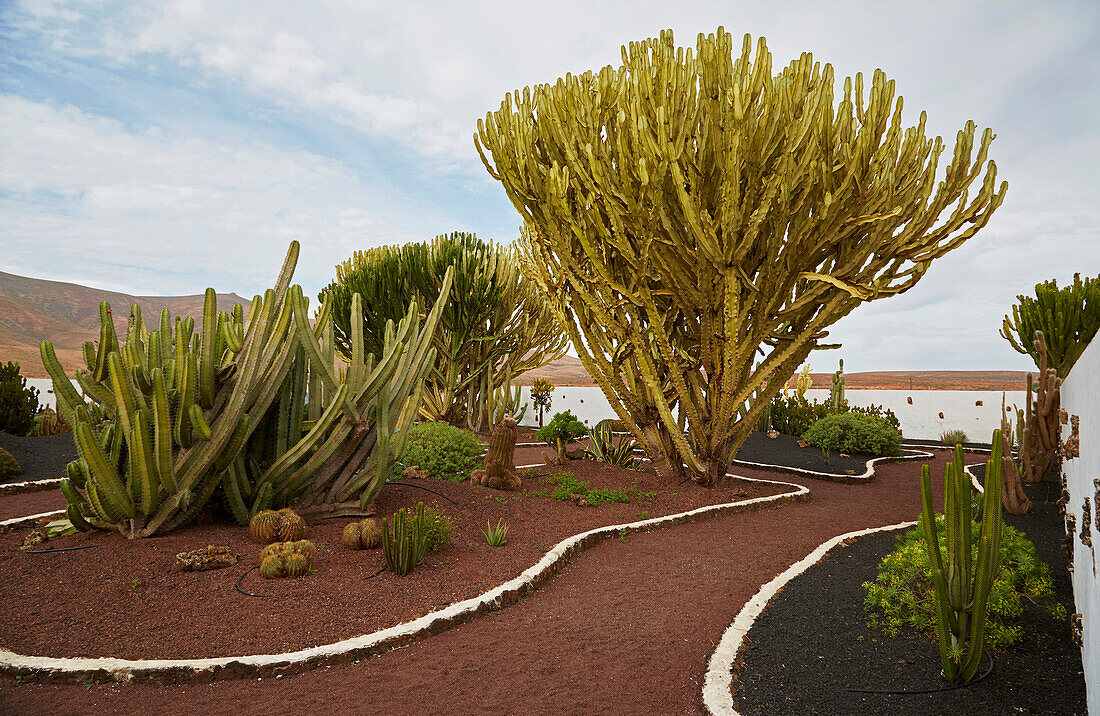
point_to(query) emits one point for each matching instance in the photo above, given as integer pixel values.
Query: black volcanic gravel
(42, 458)
(812, 644)
(784, 451)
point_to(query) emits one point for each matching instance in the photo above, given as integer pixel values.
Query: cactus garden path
(626, 627)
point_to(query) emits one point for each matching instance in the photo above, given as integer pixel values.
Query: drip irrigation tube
(952, 687)
(411, 484)
(249, 594)
(58, 549)
(383, 569)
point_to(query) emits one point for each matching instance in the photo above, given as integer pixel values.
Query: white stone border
(71, 669)
(18, 488)
(867, 475)
(26, 520)
(718, 680)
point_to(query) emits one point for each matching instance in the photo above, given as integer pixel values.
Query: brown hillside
(67, 314)
(569, 372)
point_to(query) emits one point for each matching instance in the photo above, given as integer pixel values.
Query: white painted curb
(867, 475)
(208, 669)
(718, 680)
(16, 488)
(30, 519)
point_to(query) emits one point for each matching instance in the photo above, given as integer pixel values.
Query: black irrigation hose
(410, 484)
(375, 574)
(929, 691)
(58, 549)
(249, 594)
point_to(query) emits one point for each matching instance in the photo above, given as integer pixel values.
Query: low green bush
(439, 530)
(854, 433)
(877, 411)
(794, 414)
(446, 452)
(18, 402)
(902, 593)
(567, 487)
(564, 427)
(9, 466)
(951, 438)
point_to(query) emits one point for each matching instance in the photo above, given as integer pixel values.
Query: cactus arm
(68, 400)
(162, 433)
(198, 422)
(931, 542)
(235, 484)
(145, 476)
(102, 472)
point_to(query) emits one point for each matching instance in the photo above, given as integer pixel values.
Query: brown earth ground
(625, 628)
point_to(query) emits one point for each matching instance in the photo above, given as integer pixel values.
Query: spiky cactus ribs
(364, 534)
(287, 559)
(277, 525)
(499, 472)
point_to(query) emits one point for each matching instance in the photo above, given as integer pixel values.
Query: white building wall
(1081, 401)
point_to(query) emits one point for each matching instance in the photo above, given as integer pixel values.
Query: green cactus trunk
(961, 587)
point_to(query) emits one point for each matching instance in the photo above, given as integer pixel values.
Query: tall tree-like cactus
(1068, 318)
(961, 583)
(689, 210)
(496, 326)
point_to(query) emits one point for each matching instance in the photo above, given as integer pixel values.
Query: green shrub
(794, 414)
(567, 488)
(564, 427)
(854, 433)
(446, 452)
(951, 438)
(877, 411)
(9, 467)
(902, 593)
(439, 530)
(18, 403)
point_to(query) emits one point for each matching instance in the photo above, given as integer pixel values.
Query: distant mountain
(33, 310)
(568, 371)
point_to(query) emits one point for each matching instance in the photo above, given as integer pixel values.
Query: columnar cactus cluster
(178, 414)
(962, 585)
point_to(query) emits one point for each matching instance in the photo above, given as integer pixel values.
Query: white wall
(1081, 398)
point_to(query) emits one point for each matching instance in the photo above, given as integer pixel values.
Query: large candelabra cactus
(961, 584)
(688, 211)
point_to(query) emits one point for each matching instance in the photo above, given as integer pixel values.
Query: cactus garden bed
(813, 643)
(784, 451)
(40, 457)
(115, 599)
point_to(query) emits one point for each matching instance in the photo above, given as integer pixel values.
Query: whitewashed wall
(1081, 398)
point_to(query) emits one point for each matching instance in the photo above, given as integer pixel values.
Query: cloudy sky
(158, 148)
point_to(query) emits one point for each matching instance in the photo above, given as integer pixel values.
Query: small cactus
(365, 534)
(272, 567)
(287, 559)
(293, 527)
(296, 565)
(265, 526)
(277, 526)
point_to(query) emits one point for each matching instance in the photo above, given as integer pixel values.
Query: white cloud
(160, 212)
(417, 76)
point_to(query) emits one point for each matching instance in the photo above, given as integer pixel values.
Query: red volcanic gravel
(112, 599)
(625, 628)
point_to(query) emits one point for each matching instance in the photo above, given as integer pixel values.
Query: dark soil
(41, 457)
(626, 628)
(115, 599)
(784, 451)
(813, 643)
(937, 444)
